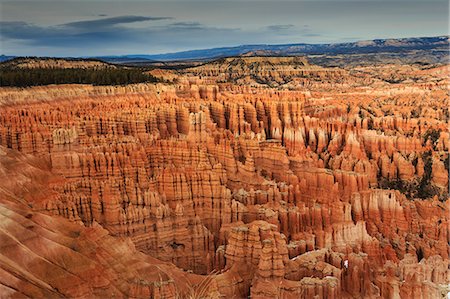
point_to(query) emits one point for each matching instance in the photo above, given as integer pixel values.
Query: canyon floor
(261, 177)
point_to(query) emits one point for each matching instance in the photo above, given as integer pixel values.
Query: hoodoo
(268, 177)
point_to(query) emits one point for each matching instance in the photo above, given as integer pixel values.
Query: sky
(113, 27)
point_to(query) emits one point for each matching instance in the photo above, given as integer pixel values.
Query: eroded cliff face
(288, 72)
(279, 192)
(45, 256)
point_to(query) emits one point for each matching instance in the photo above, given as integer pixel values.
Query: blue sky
(100, 27)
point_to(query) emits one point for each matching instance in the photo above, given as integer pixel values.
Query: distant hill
(55, 63)
(424, 50)
(437, 45)
(6, 58)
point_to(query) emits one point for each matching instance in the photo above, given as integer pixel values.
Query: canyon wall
(336, 188)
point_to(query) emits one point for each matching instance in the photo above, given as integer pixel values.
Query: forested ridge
(23, 77)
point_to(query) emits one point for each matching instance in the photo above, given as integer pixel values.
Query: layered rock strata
(292, 192)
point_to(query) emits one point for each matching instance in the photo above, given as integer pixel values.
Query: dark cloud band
(107, 22)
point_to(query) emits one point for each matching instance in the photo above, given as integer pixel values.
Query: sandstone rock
(273, 188)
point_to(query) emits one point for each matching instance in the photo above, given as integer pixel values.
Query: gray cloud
(23, 30)
(280, 27)
(113, 21)
(187, 25)
(105, 27)
(28, 27)
(292, 30)
(112, 33)
(312, 34)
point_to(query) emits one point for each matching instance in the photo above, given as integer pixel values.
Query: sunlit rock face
(281, 178)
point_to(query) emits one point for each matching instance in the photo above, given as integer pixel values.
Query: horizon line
(226, 47)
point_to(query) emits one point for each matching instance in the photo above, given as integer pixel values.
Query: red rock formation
(284, 192)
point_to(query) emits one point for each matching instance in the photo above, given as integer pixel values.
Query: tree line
(24, 77)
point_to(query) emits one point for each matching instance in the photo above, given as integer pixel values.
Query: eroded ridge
(302, 182)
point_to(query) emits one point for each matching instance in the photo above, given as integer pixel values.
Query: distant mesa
(56, 63)
(426, 49)
(390, 46)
